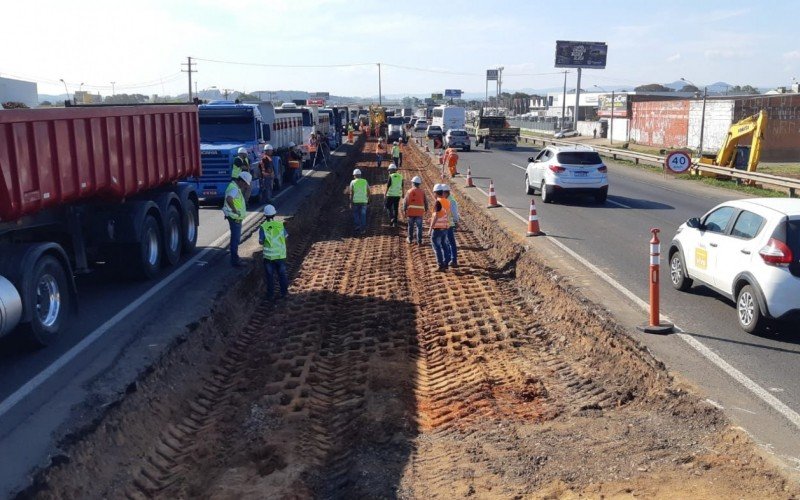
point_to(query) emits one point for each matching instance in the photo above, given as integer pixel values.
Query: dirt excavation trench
(383, 378)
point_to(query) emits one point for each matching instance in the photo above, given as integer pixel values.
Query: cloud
(674, 57)
(792, 56)
(727, 54)
(721, 15)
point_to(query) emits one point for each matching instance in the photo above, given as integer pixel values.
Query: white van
(449, 117)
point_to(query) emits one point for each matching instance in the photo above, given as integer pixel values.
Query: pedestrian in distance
(272, 236)
(415, 206)
(235, 209)
(295, 163)
(380, 150)
(359, 199)
(394, 191)
(451, 231)
(397, 154)
(267, 173)
(440, 223)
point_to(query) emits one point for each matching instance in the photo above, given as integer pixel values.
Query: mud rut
(383, 378)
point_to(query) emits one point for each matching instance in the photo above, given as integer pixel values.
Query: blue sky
(140, 45)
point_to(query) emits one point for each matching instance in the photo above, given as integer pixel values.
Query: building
(84, 97)
(19, 91)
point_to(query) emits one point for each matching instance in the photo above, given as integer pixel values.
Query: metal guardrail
(792, 185)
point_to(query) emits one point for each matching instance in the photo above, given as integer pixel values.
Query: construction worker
(272, 236)
(267, 173)
(440, 223)
(295, 163)
(415, 205)
(397, 155)
(394, 191)
(380, 150)
(241, 163)
(359, 198)
(235, 209)
(451, 231)
(451, 161)
(350, 132)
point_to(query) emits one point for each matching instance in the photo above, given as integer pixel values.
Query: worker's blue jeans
(440, 246)
(451, 242)
(236, 235)
(412, 223)
(296, 174)
(379, 159)
(267, 184)
(360, 216)
(271, 268)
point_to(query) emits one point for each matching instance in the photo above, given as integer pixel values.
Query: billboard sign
(437, 97)
(452, 93)
(491, 74)
(319, 95)
(581, 54)
(620, 105)
(315, 101)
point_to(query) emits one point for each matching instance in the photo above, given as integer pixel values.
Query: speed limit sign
(678, 162)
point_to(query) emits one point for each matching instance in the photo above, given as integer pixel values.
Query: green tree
(247, 97)
(14, 105)
(689, 88)
(652, 87)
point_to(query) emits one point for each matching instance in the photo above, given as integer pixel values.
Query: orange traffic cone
(533, 222)
(492, 196)
(469, 184)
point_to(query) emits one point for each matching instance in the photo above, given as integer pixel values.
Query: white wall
(586, 128)
(19, 91)
(719, 117)
(621, 127)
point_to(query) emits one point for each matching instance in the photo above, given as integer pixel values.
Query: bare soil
(384, 378)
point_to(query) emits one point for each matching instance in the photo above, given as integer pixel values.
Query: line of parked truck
(120, 187)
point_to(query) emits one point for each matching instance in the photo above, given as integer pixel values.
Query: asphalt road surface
(615, 236)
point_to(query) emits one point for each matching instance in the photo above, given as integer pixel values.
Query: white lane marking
(609, 201)
(714, 403)
(31, 385)
(521, 168)
(740, 377)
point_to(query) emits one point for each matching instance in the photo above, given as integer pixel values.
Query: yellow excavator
(734, 154)
(377, 119)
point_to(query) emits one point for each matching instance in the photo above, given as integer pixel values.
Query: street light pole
(380, 98)
(65, 88)
(112, 89)
(702, 114)
(564, 101)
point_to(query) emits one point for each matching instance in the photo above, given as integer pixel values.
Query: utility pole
(189, 69)
(564, 101)
(380, 98)
(703, 120)
(577, 102)
(113, 93)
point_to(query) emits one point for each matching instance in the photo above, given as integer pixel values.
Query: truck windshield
(226, 128)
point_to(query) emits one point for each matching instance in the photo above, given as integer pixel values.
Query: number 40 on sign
(678, 162)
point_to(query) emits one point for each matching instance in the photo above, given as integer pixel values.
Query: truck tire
(49, 299)
(172, 237)
(147, 252)
(190, 224)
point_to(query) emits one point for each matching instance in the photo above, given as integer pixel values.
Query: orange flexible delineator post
(533, 222)
(655, 325)
(492, 196)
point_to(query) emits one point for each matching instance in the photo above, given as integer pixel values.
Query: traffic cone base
(492, 196)
(533, 222)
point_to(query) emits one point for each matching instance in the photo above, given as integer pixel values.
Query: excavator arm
(751, 126)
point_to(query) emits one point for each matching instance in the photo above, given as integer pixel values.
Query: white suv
(747, 250)
(558, 170)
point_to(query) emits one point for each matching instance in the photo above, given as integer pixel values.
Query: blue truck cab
(226, 126)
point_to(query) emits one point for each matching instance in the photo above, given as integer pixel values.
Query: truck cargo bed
(50, 157)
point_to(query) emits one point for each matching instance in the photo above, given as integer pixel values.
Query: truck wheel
(172, 237)
(148, 249)
(189, 227)
(49, 298)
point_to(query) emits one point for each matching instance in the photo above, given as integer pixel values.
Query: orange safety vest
(442, 216)
(415, 202)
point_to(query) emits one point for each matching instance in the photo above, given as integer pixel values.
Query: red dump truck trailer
(88, 186)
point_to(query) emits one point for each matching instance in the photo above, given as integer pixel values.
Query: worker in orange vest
(380, 150)
(415, 205)
(451, 160)
(440, 224)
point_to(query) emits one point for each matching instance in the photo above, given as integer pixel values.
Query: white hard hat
(291, 144)
(445, 187)
(392, 167)
(437, 187)
(416, 180)
(356, 172)
(246, 177)
(241, 150)
(269, 211)
(268, 147)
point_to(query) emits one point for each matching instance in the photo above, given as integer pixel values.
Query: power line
(299, 66)
(534, 74)
(437, 71)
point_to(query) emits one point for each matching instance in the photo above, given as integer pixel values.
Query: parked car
(421, 125)
(457, 138)
(748, 251)
(561, 134)
(561, 170)
(433, 131)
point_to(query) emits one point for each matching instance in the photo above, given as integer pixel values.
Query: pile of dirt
(382, 377)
